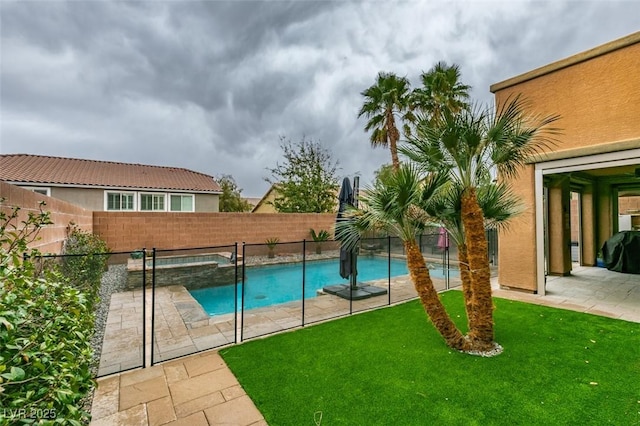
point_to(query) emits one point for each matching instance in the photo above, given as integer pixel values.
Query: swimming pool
(274, 284)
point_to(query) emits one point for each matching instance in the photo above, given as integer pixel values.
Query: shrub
(84, 260)
(45, 328)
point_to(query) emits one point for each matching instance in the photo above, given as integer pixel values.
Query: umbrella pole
(354, 270)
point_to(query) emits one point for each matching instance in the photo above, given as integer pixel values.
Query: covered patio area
(592, 290)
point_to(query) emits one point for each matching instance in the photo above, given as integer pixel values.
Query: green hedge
(46, 323)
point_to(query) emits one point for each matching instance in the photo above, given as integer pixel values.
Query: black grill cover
(621, 252)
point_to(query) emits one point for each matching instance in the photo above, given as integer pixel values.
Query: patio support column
(588, 222)
(604, 202)
(517, 268)
(559, 227)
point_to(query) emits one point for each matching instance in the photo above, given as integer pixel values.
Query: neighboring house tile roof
(37, 169)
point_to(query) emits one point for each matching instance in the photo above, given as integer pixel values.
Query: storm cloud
(212, 85)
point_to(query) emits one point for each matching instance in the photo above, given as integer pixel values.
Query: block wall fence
(134, 230)
(62, 214)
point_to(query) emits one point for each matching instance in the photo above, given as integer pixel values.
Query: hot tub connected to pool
(192, 270)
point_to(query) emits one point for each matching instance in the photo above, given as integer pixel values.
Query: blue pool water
(274, 284)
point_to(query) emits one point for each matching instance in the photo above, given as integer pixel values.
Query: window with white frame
(152, 202)
(120, 201)
(39, 190)
(181, 203)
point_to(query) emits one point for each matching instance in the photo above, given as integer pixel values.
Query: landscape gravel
(113, 280)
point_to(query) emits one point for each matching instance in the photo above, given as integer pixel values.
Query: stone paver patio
(182, 327)
(195, 390)
(198, 389)
(592, 290)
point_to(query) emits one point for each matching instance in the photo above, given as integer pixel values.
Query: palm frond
(516, 136)
(397, 204)
(499, 204)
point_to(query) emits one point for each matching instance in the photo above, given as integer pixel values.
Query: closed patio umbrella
(348, 196)
(345, 199)
(348, 258)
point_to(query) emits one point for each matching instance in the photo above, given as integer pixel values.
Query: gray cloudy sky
(211, 85)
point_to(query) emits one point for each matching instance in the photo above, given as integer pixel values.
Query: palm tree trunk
(430, 299)
(393, 146)
(394, 136)
(465, 277)
(481, 334)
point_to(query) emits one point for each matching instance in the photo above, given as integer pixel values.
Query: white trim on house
(137, 201)
(539, 210)
(127, 193)
(193, 202)
(153, 195)
(38, 189)
(589, 162)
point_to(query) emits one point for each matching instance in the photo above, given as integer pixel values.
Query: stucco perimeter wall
(62, 213)
(629, 205)
(595, 93)
(124, 231)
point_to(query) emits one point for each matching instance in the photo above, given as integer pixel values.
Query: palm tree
(466, 145)
(441, 91)
(383, 101)
(498, 204)
(396, 204)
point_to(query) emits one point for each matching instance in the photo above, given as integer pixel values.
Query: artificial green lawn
(390, 367)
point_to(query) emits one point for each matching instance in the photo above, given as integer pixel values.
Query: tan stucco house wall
(597, 95)
(265, 205)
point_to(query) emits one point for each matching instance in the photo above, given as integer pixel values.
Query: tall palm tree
(386, 101)
(441, 91)
(396, 204)
(466, 145)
